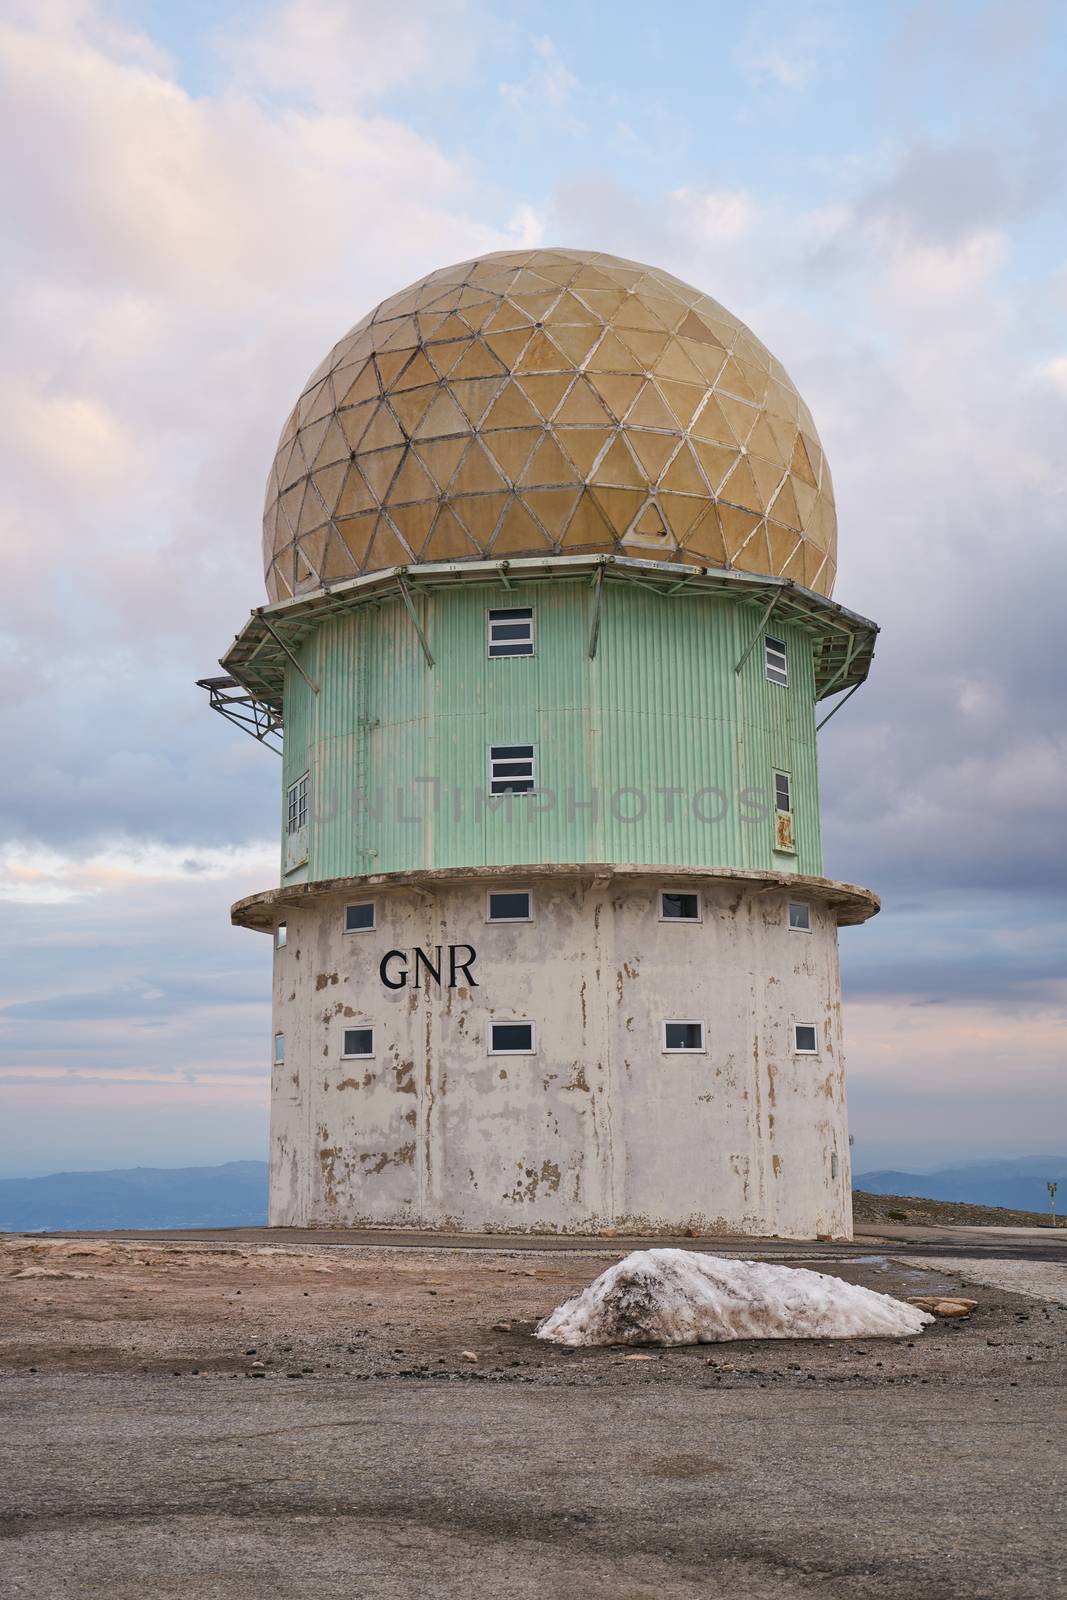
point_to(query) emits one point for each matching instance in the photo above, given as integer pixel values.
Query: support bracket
(598, 599)
(233, 701)
(276, 636)
(762, 624)
(413, 614)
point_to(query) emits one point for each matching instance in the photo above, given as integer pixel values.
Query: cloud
(780, 48)
(176, 265)
(948, 1082)
(336, 54)
(39, 876)
(945, 192)
(134, 1020)
(718, 215)
(547, 89)
(785, 72)
(1053, 372)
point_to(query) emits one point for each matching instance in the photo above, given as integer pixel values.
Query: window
(676, 906)
(512, 1039)
(784, 835)
(511, 632)
(800, 916)
(279, 1049)
(358, 1042)
(508, 905)
(775, 660)
(805, 1039)
(360, 917)
(298, 804)
(835, 1165)
(281, 934)
(511, 769)
(683, 1038)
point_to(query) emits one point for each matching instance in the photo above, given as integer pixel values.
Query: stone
(943, 1305)
(49, 1272)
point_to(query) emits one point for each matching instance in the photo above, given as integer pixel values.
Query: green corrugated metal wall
(660, 709)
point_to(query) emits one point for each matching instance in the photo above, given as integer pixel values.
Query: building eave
(262, 912)
(843, 640)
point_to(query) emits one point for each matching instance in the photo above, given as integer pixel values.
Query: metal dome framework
(548, 402)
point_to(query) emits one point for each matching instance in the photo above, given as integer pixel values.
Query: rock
(638, 1357)
(49, 1272)
(467, 1355)
(943, 1305)
(501, 1327)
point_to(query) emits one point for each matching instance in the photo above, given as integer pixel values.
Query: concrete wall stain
(404, 1157)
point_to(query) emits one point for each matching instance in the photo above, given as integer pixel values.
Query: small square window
(683, 1038)
(800, 916)
(281, 935)
(512, 769)
(297, 804)
(775, 660)
(805, 1039)
(508, 905)
(359, 918)
(512, 1039)
(676, 905)
(511, 632)
(358, 1042)
(279, 1049)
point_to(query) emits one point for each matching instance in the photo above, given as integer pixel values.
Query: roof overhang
(843, 641)
(262, 912)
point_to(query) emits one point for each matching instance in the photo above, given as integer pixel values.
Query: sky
(199, 199)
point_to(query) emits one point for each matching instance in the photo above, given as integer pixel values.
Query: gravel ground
(247, 1421)
(1039, 1280)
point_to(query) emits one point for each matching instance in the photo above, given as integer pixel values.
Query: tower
(550, 542)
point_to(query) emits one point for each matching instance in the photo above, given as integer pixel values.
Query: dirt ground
(868, 1207)
(400, 1407)
(183, 1310)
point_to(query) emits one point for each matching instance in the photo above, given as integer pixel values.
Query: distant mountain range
(231, 1196)
(1018, 1185)
(235, 1194)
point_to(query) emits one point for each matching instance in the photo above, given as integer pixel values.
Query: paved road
(1012, 1243)
(134, 1487)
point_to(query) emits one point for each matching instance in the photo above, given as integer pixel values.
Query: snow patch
(681, 1297)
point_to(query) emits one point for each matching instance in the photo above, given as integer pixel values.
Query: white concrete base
(599, 1128)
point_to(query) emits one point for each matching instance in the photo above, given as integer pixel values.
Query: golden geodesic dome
(548, 402)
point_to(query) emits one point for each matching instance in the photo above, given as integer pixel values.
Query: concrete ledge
(260, 912)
